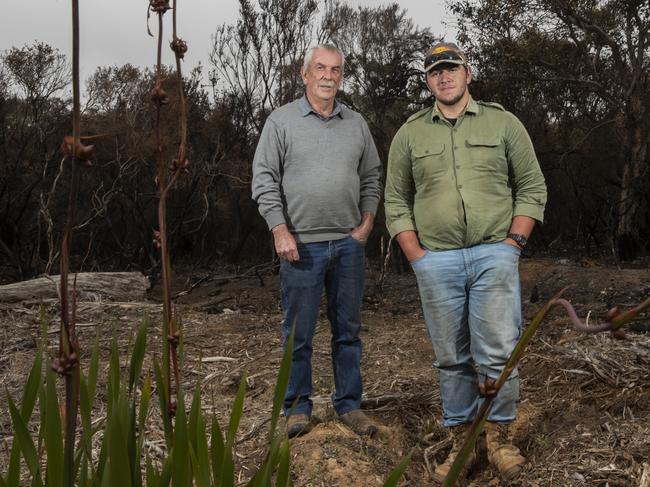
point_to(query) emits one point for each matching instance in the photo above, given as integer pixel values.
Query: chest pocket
(487, 153)
(428, 161)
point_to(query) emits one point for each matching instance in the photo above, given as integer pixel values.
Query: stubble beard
(454, 100)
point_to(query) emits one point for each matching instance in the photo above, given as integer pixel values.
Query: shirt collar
(306, 109)
(472, 107)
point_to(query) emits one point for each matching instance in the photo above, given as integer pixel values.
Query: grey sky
(115, 32)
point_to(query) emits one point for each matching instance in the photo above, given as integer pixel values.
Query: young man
(463, 193)
(316, 179)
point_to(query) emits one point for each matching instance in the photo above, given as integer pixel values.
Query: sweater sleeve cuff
(274, 219)
(530, 210)
(401, 225)
(369, 205)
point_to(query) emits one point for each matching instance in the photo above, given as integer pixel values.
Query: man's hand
(510, 241)
(285, 243)
(410, 245)
(362, 232)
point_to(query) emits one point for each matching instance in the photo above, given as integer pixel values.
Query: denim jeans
(471, 301)
(338, 266)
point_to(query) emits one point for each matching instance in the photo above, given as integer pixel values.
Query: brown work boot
(458, 434)
(502, 454)
(298, 424)
(358, 422)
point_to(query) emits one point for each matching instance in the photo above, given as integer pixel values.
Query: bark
(631, 206)
(91, 286)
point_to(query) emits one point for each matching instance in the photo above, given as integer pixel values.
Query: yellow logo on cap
(440, 49)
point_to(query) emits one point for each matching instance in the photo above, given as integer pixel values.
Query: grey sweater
(316, 175)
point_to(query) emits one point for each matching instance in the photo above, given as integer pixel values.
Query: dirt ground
(585, 409)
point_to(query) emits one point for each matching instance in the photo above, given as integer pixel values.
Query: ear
(426, 81)
(468, 73)
(303, 74)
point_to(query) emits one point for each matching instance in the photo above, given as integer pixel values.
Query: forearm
(410, 245)
(521, 225)
(362, 231)
(367, 221)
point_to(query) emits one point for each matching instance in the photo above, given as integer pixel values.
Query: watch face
(520, 239)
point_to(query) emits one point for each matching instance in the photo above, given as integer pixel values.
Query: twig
(207, 360)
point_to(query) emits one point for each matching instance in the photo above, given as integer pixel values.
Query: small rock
(578, 476)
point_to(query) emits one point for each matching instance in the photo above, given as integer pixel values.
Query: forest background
(576, 73)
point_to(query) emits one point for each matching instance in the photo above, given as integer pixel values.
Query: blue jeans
(338, 266)
(471, 301)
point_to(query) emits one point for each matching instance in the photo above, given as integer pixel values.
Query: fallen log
(91, 286)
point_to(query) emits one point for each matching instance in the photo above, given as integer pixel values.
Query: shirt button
(457, 167)
(460, 186)
(455, 147)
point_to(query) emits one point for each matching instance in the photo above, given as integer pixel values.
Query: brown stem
(162, 223)
(579, 325)
(68, 343)
(179, 48)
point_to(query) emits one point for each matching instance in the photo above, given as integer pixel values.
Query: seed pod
(612, 313)
(157, 242)
(174, 338)
(159, 95)
(175, 165)
(83, 153)
(179, 46)
(159, 6)
(487, 389)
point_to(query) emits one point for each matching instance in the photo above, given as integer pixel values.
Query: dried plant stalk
(170, 331)
(67, 362)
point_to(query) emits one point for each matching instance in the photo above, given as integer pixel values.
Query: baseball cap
(444, 52)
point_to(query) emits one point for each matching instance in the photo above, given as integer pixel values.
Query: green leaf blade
(53, 434)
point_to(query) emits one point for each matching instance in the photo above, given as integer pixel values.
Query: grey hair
(328, 47)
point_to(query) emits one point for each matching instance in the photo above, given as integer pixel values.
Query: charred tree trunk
(633, 204)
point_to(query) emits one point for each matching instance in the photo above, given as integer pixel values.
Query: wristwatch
(519, 238)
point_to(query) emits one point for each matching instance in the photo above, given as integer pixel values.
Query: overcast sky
(114, 32)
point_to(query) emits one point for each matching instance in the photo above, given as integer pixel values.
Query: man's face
(323, 76)
(448, 82)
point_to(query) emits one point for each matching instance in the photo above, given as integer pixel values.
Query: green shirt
(460, 185)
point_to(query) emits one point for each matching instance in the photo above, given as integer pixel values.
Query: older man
(316, 179)
(463, 192)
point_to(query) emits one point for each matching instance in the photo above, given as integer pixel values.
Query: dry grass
(585, 399)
